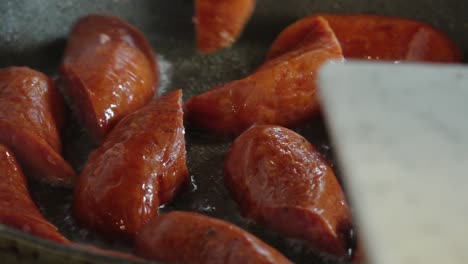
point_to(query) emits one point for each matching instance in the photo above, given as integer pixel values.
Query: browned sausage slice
(139, 166)
(17, 209)
(376, 37)
(279, 180)
(108, 71)
(183, 237)
(282, 92)
(30, 122)
(218, 23)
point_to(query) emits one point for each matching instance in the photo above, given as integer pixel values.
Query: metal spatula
(401, 134)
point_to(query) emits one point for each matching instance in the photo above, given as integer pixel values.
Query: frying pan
(33, 33)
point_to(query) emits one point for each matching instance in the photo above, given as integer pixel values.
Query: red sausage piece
(281, 92)
(139, 166)
(183, 237)
(17, 209)
(219, 23)
(280, 181)
(30, 122)
(376, 37)
(108, 71)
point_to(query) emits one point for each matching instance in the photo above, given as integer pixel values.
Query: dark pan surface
(33, 33)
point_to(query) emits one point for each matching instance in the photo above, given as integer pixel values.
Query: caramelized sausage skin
(375, 37)
(30, 123)
(140, 166)
(17, 209)
(185, 237)
(281, 92)
(280, 181)
(108, 71)
(219, 23)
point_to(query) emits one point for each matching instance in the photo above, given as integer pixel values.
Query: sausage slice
(218, 23)
(17, 209)
(375, 37)
(140, 166)
(183, 237)
(283, 91)
(108, 71)
(30, 123)
(280, 181)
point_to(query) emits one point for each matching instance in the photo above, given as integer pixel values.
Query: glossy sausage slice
(282, 92)
(376, 37)
(140, 166)
(30, 122)
(183, 237)
(17, 209)
(279, 180)
(218, 23)
(108, 71)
